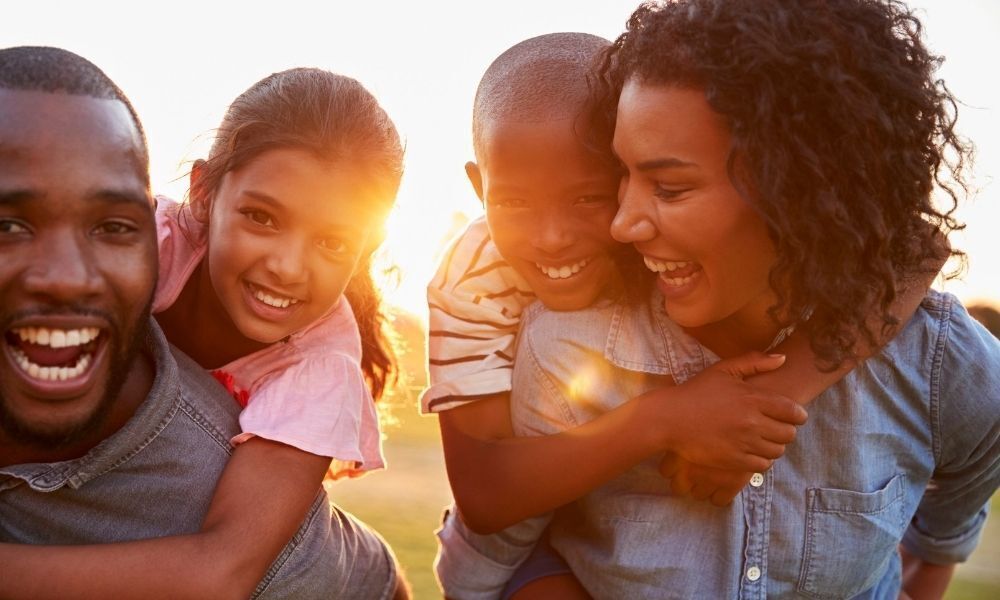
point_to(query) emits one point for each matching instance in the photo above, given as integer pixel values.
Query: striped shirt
(475, 302)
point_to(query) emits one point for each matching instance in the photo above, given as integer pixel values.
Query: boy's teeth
(563, 272)
(275, 301)
(659, 266)
(57, 338)
(51, 373)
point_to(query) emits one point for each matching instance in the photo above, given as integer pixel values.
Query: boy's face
(549, 205)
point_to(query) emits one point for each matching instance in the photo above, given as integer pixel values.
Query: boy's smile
(549, 205)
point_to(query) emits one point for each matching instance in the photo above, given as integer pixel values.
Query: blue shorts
(543, 561)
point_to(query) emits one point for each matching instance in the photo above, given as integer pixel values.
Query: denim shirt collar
(643, 338)
(149, 420)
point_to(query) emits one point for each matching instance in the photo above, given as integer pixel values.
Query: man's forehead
(43, 131)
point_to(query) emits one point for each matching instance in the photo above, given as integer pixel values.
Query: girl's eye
(668, 194)
(259, 217)
(12, 227)
(335, 245)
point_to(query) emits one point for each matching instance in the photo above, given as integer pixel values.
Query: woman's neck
(199, 325)
(750, 329)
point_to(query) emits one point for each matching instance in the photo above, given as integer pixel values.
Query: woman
(780, 157)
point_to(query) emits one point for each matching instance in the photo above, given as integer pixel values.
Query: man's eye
(115, 228)
(10, 226)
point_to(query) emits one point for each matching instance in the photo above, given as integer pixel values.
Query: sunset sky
(182, 62)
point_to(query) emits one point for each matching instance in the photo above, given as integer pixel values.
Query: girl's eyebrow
(262, 197)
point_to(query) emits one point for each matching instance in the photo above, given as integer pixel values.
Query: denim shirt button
(757, 480)
(753, 573)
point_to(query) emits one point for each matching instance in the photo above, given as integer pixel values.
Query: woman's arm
(259, 503)
(498, 479)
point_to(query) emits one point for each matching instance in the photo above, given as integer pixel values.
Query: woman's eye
(259, 217)
(669, 193)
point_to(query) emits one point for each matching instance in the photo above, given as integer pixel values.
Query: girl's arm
(259, 503)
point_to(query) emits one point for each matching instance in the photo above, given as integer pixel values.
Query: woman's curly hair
(840, 132)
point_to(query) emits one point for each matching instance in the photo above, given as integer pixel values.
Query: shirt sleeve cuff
(945, 551)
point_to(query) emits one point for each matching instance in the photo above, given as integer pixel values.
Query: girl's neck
(199, 325)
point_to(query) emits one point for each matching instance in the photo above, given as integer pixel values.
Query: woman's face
(709, 248)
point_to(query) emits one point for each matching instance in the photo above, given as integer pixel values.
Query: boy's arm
(801, 380)
(261, 499)
(498, 480)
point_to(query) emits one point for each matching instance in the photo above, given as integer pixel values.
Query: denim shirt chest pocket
(846, 532)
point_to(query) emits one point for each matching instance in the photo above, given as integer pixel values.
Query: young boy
(549, 200)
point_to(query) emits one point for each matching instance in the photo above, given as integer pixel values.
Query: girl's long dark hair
(339, 121)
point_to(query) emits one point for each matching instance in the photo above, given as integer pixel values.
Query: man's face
(549, 205)
(77, 261)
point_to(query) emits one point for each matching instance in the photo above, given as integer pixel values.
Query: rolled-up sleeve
(965, 415)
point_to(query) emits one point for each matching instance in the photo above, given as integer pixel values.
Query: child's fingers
(724, 496)
(768, 450)
(783, 409)
(778, 432)
(754, 463)
(750, 363)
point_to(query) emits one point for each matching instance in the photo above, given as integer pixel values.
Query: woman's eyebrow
(664, 163)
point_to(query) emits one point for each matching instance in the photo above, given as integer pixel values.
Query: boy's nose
(65, 271)
(552, 235)
(631, 223)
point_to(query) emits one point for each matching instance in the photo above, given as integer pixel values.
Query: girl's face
(710, 250)
(286, 232)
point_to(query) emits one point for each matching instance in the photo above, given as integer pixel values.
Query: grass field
(404, 503)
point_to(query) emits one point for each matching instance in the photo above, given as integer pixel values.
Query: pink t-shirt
(307, 390)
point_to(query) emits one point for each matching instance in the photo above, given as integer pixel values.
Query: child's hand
(718, 486)
(717, 420)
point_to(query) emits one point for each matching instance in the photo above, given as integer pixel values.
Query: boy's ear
(197, 194)
(475, 178)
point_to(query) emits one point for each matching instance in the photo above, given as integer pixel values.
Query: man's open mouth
(52, 353)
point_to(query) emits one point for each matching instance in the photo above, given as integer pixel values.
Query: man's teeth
(562, 272)
(57, 338)
(659, 266)
(52, 373)
(275, 301)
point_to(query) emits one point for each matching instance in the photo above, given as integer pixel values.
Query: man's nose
(63, 268)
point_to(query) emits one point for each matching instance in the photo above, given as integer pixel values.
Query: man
(106, 433)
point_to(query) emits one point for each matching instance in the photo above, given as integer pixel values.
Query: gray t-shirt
(156, 477)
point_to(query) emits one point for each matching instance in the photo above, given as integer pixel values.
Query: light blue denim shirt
(906, 448)
(156, 477)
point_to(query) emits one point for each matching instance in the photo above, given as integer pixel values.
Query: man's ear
(201, 202)
(475, 178)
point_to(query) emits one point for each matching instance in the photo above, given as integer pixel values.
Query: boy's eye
(507, 202)
(595, 200)
(259, 217)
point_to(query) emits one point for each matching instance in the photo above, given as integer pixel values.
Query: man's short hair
(540, 79)
(54, 70)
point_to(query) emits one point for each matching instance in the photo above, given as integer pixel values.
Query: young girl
(264, 280)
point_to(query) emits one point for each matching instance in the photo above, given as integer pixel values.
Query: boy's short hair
(54, 70)
(540, 79)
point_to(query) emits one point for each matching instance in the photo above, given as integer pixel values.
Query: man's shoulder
(204, 400)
